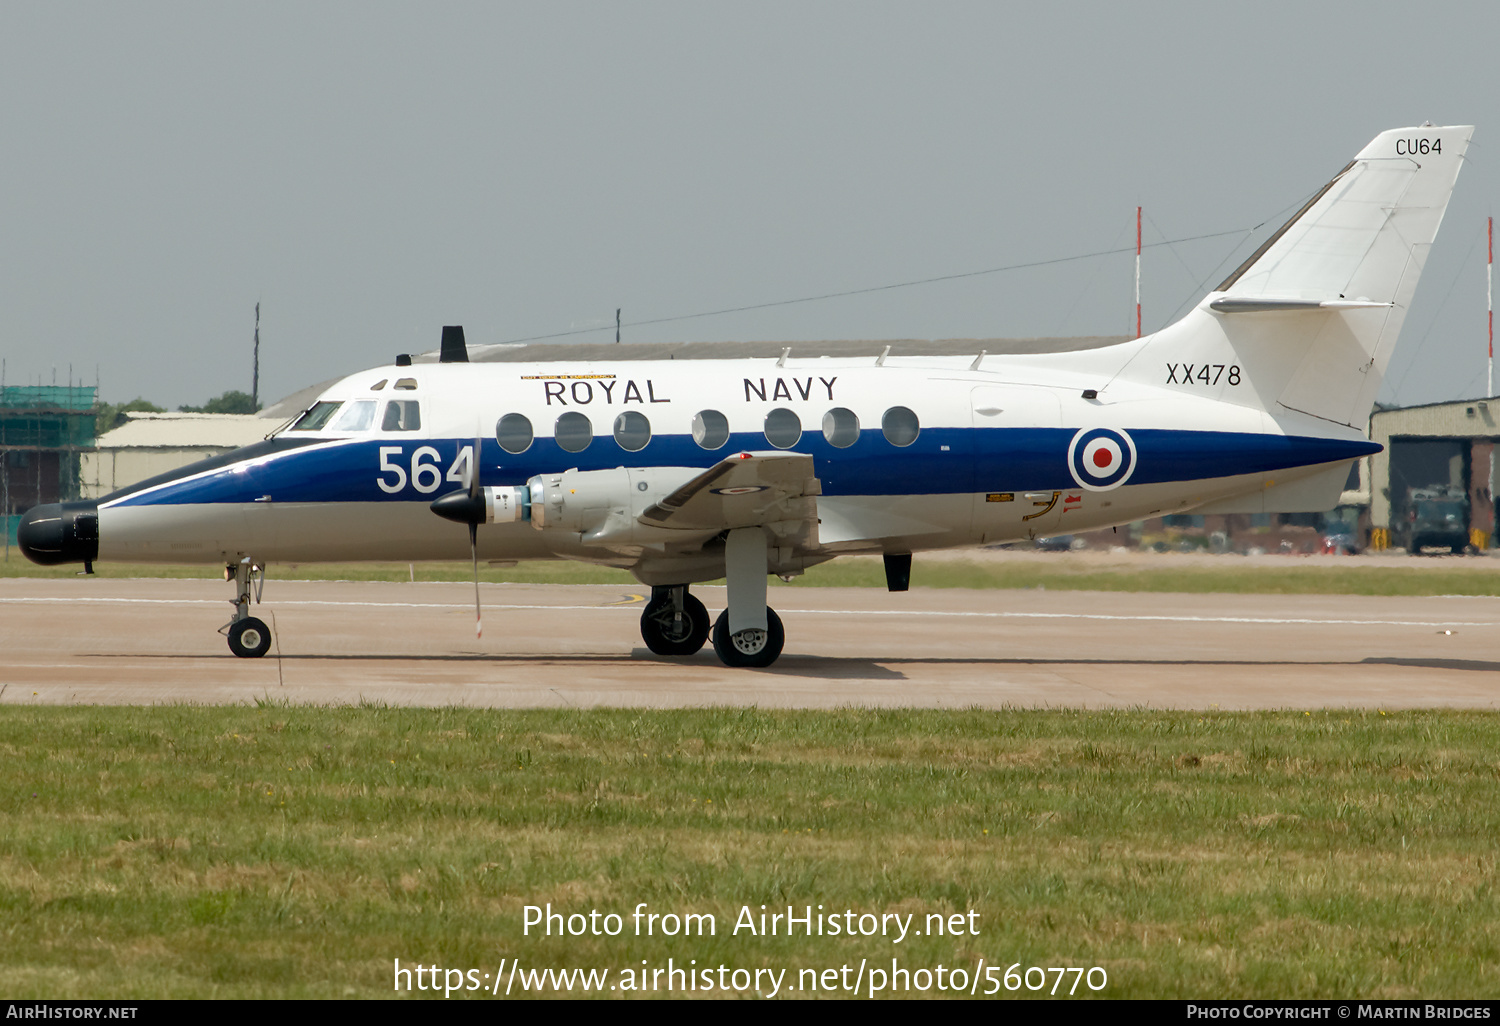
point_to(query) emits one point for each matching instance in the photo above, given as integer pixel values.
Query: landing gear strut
(674, 623)
(249, 638)
(749, 632)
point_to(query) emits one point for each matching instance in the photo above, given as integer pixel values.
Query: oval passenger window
(513, 432)
(900, 426)
(573, 432)
(840, 427)
(710, 429)
(783, 428)
(632, 431)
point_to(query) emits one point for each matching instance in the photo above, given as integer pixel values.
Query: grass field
(1226, 574)
(276, 851)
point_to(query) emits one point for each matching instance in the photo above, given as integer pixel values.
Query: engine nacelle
(506, 505)
(580, 501)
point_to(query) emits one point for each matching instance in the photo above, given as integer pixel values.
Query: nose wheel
(249, 637)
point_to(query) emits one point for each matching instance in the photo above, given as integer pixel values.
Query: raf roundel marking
(1101, 458)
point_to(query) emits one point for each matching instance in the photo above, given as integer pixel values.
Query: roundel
(1101, 458)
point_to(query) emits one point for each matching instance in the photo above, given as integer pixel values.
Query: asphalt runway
(154, 641)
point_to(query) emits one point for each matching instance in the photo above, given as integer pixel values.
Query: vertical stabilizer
(1311, 318)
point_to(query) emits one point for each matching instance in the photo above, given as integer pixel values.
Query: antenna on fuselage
(454, 350)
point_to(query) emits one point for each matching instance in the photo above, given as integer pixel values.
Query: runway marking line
(1157, 618)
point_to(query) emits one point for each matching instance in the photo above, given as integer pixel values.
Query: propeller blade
(473, 469)
(474, 554)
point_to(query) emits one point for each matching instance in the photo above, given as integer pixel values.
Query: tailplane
(1308, 322)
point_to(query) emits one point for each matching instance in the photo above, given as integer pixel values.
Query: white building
(153, 443)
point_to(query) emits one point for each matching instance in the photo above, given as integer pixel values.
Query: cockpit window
(405, 384)
(378, 385)
(316, 417)
(401, 415)
(358, 416)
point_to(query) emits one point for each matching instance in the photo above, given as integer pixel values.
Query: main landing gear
(249, 637)
(674, 623)
(748, 633)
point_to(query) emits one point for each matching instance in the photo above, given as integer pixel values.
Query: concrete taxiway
(153, 641)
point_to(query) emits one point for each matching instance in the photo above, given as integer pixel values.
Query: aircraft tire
(749, 648)
(665, 636)
(249, 638)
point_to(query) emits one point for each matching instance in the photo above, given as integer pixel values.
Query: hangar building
(148, 444)
(1439, 449)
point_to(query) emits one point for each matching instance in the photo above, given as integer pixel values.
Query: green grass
(1058, 573)
(296, 851)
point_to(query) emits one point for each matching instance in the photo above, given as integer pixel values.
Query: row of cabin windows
(574, 431)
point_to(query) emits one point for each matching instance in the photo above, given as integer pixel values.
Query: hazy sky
(372, 171)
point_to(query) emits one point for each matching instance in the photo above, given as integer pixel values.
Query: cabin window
(900, 426)
(710, 429)
(378, 385)
(632, 431)
(783, 428)
(402, 415)
(406, 384)
(573, 432)
(840, 427)
(513, 432)
(316, 417)
(356, 416)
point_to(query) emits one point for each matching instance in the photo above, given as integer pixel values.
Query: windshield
(1440, 512)
(316, 416)
(357, 417)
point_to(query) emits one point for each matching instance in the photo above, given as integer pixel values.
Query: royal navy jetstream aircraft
(682, 472)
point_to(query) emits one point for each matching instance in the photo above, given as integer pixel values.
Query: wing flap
(744, 490)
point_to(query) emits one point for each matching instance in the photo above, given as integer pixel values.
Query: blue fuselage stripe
(941, 461)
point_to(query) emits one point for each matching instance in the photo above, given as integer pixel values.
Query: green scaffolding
(38, 420)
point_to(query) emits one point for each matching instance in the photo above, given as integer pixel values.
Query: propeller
(476, 501)
(468, 507)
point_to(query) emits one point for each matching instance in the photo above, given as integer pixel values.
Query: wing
(745, 490)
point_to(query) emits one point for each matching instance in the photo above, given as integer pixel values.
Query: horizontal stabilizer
(1271, 304)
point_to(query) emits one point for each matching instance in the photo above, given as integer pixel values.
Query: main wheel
(249, 638)
(669, 635)
(752, 647)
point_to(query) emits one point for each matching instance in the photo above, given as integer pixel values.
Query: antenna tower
(255, 373)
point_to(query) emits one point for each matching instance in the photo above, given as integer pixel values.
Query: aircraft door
(1015, 432)
(260, 525)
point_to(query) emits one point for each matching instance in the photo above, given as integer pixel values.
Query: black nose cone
(60, 532)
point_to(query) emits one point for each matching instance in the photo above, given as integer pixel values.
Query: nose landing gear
(249, 637)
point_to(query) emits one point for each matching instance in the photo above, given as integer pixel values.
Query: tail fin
(1311, 318)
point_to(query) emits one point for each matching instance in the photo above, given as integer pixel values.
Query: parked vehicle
(1436, 517)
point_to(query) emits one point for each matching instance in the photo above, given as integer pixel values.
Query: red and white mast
(1489, 301)
(1138, 272)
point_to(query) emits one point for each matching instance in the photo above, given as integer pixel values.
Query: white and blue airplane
(1257, 400)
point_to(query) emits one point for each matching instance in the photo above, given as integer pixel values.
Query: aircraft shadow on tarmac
(1483, 666)
(835, 667)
